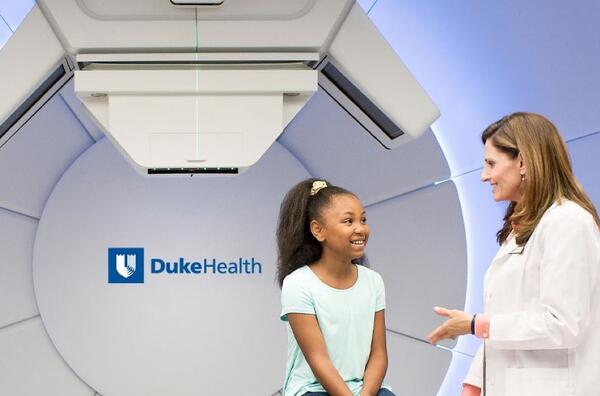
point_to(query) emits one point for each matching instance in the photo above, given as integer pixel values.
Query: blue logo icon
(125, 265)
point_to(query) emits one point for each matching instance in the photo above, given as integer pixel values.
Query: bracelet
(473, 324)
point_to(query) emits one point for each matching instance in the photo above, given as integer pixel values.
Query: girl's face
(503, 173)
(345, 230)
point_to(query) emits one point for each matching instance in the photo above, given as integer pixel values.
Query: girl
(334, 306)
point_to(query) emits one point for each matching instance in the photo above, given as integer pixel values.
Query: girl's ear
(317, 230)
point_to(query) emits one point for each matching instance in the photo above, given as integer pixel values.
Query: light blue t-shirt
(346, 318)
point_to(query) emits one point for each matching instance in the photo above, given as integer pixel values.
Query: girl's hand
(458, 323)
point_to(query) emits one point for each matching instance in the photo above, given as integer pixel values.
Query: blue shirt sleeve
(296, 297)
(379, 294)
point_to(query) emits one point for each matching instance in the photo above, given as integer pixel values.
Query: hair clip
(316, 186)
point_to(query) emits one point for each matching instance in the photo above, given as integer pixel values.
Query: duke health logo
(125, 265)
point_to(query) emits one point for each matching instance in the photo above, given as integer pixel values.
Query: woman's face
(503, 173)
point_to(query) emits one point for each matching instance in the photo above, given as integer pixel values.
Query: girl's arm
(308, 334)
(378, 361)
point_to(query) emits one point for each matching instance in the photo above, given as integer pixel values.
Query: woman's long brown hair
(549, 175)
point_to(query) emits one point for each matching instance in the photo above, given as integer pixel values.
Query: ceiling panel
(17, 300)
(5, 33)
(14, 11)
(415, 368)
(586, 163)
(36, 156)
(366, 4)
(29, 364)
(418, 245)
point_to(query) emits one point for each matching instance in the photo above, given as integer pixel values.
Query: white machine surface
(188, 91)
(182, 333)
(68, 190)
(206, 89)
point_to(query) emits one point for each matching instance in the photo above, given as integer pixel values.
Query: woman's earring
(522, 177)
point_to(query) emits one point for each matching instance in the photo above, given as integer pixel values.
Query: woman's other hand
(458, 323)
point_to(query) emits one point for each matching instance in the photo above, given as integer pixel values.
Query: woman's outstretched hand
(458, 323)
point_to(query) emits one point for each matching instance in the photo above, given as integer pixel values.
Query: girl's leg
(382, 392)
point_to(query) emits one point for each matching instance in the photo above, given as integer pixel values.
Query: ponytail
(296, 244)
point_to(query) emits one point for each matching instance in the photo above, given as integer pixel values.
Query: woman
(541, 326)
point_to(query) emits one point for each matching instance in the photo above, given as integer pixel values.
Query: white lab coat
(544, 304)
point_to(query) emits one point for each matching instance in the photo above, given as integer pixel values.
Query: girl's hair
(296, 245)
(549, 175)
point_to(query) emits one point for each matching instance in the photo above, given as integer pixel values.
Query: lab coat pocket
(538, 382)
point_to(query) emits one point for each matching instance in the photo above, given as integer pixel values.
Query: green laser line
(196, 93)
